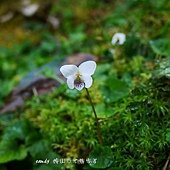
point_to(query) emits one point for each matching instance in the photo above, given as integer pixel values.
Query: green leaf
(102, 155)
(103, 111)
(42, 149)
(39, 149)
(115, 89)
(12, 145)
(7, 155)
(115, 168)
(50, 155)
(44, 167)
(168, 136)
(19, 131)
(15, 131)
(161, 46)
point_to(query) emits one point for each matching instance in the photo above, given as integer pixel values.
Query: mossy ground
(130, 90)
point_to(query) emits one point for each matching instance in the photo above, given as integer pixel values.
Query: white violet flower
(79, 77)
(118, 38)
(29, 9)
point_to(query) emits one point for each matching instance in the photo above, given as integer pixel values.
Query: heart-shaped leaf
(101, 157)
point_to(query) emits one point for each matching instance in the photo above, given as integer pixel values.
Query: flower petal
(87, 68)
(69, 70)
(80, 86)
(122, 38)
(87, 80)
(118, 38)
(114, 40)
(70, 82)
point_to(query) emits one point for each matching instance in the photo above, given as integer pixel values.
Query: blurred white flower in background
(29, 9)
(53, 21)
(6, 17)
(118, 38)
(79, 77)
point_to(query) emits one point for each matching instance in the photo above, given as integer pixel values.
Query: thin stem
(166, 163)
(99, 134)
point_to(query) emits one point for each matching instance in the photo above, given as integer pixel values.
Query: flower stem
(99, 134)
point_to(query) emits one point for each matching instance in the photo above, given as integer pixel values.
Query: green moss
(130, 90)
